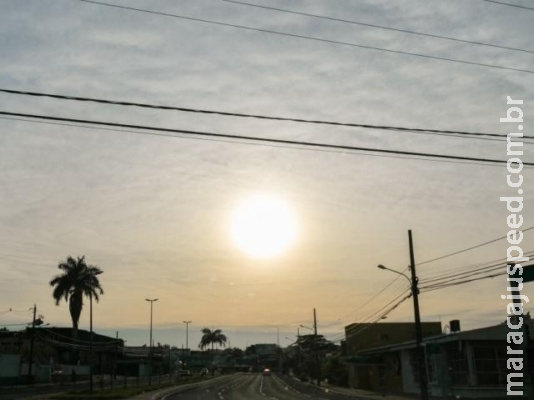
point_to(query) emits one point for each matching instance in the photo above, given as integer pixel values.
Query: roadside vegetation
(121, 393)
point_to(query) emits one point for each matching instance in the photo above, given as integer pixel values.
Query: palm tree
(212, 337)
(78, 279)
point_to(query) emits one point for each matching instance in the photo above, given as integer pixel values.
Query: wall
(9, 369)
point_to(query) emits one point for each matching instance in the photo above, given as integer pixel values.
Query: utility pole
(30, 378)
(315, 341)
(298, 350)
(91, 337)
(150, 354)
(421, 357)
(93, 273)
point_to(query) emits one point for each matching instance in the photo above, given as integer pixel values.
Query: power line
(379, 26)
(443, 286)
(373, 297)
(458, 281)
(248, 143)
(471, 267)
(363, 326)
(283, 147)
(443, 274)
(358, 328)
(509, 4)
(373, 316)
(317, 39)
(483, 268)
(257, 139)
(256, 116)
(460, 275)
(469, 248)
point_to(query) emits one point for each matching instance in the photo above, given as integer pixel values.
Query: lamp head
(381, 266)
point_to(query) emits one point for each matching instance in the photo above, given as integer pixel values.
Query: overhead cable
(469, 248)
(167, 131)
(277, 146)
(379, 26)
(510, 4)
(314, 38)
(256, 116)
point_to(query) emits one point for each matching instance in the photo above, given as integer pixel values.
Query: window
(490, 365)
(457, 363)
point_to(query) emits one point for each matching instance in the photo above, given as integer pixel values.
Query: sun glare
(263, 226)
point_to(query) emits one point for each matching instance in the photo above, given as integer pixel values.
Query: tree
(77, 280)
(336, 371)
(212, 337)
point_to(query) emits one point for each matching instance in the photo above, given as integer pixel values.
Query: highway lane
(314, 392)
(240, 387)
(210, 390)
(255, 387)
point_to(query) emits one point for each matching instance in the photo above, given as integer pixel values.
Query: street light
(395, 271)
(150, 354)
(418, 328)
(187, 334)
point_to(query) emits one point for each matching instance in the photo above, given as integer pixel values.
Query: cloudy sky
(155, 212)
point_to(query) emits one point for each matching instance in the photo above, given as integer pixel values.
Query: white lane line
(261, 387)
(262, 393)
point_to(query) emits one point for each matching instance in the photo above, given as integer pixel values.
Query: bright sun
(263, 226)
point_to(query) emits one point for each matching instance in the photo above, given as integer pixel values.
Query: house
(469, 364)
(363, 336)
(45, 354)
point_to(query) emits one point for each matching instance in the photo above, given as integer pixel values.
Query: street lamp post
(187, 334)
(150, 351)
(418, 328)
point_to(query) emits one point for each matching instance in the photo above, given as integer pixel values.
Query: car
(266, 372)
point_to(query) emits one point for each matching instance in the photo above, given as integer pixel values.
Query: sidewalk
(355, 393)
(365, 394)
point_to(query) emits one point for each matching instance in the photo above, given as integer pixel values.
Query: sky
(155, 212)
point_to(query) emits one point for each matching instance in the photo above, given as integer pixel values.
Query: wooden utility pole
(316, 345)
(30, 379)
(421, 357)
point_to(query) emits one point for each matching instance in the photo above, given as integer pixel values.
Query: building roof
(489, 333)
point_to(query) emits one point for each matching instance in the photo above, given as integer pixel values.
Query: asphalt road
(254, 387)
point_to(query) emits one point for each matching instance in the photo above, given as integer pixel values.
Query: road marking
(261, 387)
